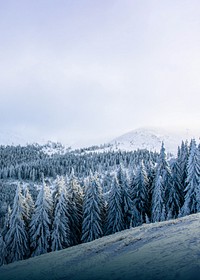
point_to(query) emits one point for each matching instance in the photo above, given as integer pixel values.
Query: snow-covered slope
(166, 250)
(151, 139)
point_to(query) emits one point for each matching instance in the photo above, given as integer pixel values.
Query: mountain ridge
(152, 138)
(149, 138)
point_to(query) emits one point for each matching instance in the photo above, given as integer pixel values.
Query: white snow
(142, 138)
(51, 148)
(166, 250)
(152, 138)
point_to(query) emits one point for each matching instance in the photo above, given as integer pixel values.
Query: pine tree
(191, 204)
(163, 167)
(115, 219)
(41, 222)
(6, 221)
(75, 208)
(158, 206)
(16, 237)
(161, 187)
(140, 193)
(3, 251)
(60, 230)
(182, 159)
(173, 204)
(127, 203)
(29, 205)
(92, 227)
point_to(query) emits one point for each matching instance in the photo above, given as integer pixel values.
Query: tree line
(69, 213)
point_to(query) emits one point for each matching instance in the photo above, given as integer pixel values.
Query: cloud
(92, 70)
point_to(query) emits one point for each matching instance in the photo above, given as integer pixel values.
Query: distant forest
(51, 202)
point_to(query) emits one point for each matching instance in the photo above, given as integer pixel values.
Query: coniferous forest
(51, 202)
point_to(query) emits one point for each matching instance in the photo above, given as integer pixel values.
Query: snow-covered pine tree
(115, 217)
(75, 207)
(60, 236)
(29, 205)
(16, 237)
(6, 221)
(127, 203)
(174, 199)
(158, 206)
(182, 158)
(40, 225)
(162, 184)
(3, 251)
(191, 204)
(29, 209)
(140, 194)
(92, 227)
(163, 166)
(150, 168)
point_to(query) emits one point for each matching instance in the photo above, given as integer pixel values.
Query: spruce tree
(40, 225)
(175, 198)
(16, 237)
(92, 227)
(127, 203)
(115, 218)
(192, 191)
(182, 159)
(140, 193)
(60, 236)
(158, 206)
(6, 221)
(161, 187)
(75, 195)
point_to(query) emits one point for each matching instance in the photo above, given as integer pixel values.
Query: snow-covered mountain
(151, 139)
(142, 138)
(166, 250)
(23, 138)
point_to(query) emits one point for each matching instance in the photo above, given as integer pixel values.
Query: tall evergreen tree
(92, 227)
(29, 204)
(115, 219)
(161, 187)
(175, 197)
(40, 225)
(6, 221)
(191, 204)
(140, 193)
(75, 208)
(158, 206)
(127, 203)
(16, 237)
(60, 236)
(182, 159)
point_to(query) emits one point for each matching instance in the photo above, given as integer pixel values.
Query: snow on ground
(166, 250)
(152, 138)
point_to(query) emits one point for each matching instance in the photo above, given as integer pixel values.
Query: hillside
(166, 250)
(151, 139)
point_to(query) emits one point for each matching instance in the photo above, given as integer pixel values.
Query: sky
(86, 71)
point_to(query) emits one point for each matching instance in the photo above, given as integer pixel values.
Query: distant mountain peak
(151, 138)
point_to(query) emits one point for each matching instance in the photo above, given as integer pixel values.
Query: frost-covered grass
(166, 250)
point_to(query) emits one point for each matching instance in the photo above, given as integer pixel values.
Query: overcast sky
(89, 70)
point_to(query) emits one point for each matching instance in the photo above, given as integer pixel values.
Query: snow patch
(166, 250)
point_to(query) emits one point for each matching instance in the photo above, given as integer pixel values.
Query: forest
(51, 202)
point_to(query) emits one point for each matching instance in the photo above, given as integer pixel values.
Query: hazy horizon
(88, 71)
